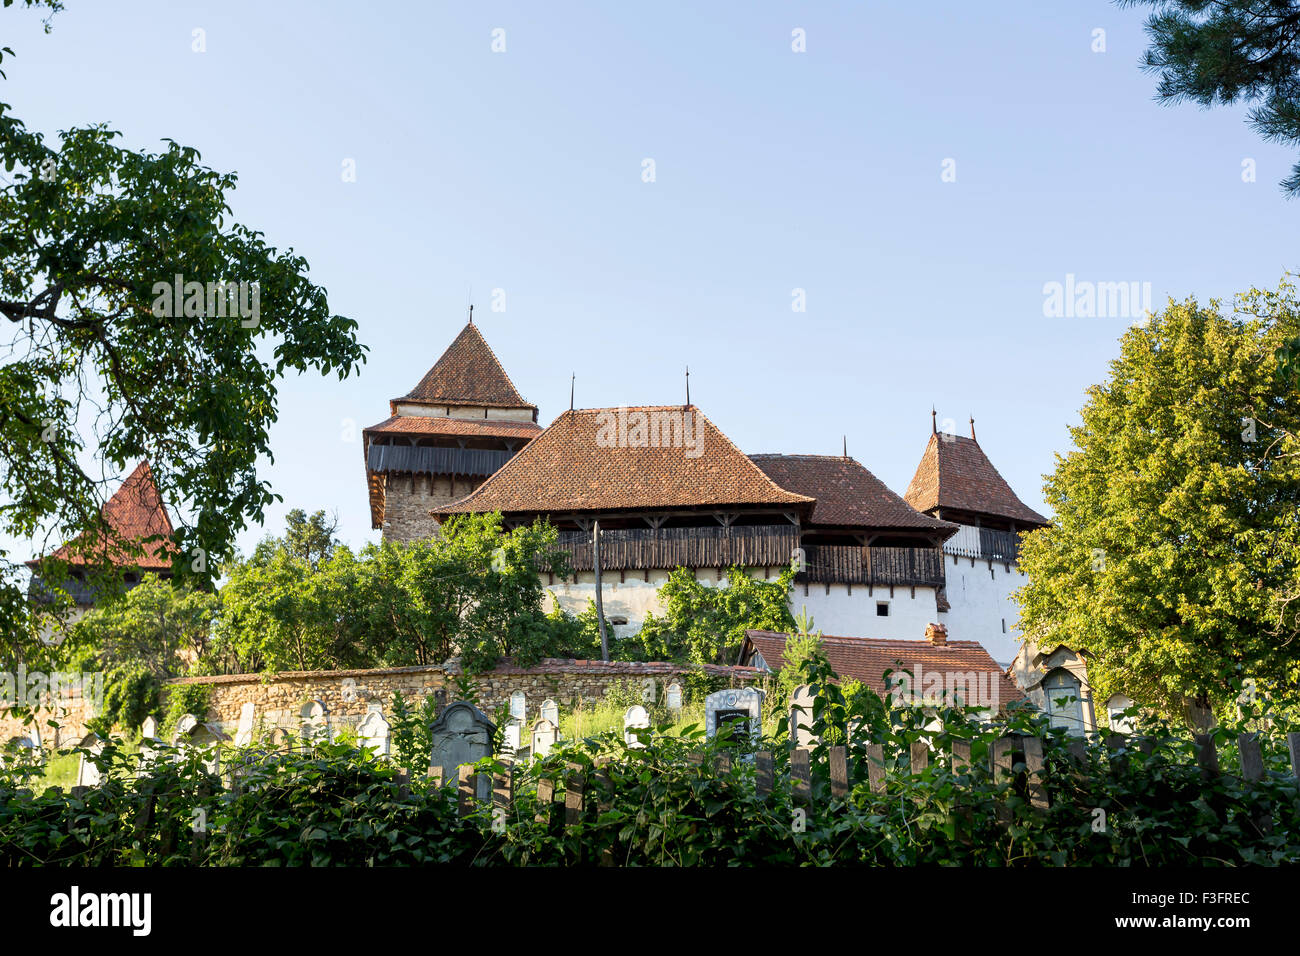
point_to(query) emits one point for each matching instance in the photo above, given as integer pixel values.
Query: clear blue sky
(775, 170)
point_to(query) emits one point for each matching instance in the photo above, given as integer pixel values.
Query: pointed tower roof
(580, 464)
(467, 374)
(135, 512)
(954, 473)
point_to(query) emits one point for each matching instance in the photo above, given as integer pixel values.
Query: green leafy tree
(92, 235)
(706, 625)
(1175, 545)
(311, 539)
(473, 591)
(158, 630)
(164, 626)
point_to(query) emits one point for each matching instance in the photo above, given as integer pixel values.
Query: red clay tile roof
(580, 464)
(135, 511)
(847, 494)
(421, 425)
(467, 374)
(955, 473)
(866, 659)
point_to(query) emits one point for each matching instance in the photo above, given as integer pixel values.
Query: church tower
(444, 438)
(957, 482)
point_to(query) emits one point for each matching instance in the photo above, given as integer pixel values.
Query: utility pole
(600, 605)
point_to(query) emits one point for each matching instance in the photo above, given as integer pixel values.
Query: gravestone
(649, 690)
(462, 734)
(550, 711)
(510, 743)
(1116, 704)
(674, 697)
(634, 718)
(280, 739)
(244, 729)
(191, 732)
(801, 717)
(518, 707)
(373, 730)
(149, 741)
(87, 773)
(737, 711)
(545, 733)
(315, 723)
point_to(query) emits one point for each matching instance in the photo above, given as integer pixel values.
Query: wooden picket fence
(570, 788)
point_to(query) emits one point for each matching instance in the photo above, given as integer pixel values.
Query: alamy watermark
(33, 689)
(955, 688)
(658, 428)
(1075, 299)
(210, 300)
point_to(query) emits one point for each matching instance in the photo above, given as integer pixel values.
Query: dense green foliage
(472, 592)
(1173, 558)
(706, 625)
(659, 806)
(92, 369)
(156, 631)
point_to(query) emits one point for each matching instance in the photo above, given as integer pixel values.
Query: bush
(672, 803)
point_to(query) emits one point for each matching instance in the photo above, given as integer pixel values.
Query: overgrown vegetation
(667, 805)
(706, 625)
(1174, 559)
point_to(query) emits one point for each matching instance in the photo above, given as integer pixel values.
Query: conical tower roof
(955, 474)
(467, 374)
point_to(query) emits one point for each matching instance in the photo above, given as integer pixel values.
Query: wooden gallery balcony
(648, 549)
(846, 564)
(758, 546)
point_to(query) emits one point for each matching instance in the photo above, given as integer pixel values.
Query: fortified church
(668, 489)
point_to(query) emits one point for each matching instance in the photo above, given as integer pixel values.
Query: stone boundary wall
(280, 701)
(70, 711)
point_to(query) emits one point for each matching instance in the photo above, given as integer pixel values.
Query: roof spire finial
(846, 445)
(471, 313)
(972, 428)
(572, 378)
(688, 386)
(934, 422)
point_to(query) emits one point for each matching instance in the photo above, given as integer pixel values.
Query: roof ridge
(764, 475)
(492, 352)
(569, 418)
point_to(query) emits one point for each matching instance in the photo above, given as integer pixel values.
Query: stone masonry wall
(346, 695)
(409, 498)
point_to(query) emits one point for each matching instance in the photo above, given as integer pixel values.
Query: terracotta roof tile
(420, 425)
(955, 473)
(866, 659)
(847, 494)
(467, 374)
(134, 512)
(581, 463)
